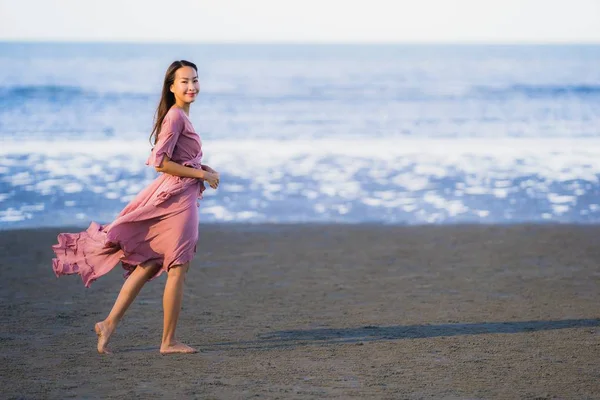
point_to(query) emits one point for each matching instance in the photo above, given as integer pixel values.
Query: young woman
(158, 230)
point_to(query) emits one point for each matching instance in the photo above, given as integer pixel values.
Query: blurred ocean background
(393, 134)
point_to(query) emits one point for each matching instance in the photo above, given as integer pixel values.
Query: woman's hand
(212, 178)
(211, 171)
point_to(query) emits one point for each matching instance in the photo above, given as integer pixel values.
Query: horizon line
(299, 43)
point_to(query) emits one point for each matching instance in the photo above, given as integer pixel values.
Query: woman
(158, 230)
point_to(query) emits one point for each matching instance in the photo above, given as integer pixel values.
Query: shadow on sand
(328, 336)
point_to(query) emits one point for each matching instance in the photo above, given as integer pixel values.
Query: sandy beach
(320, 311)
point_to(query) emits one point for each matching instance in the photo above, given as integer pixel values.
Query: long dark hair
(167, 98)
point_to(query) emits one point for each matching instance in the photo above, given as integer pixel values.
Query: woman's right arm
(172, 168)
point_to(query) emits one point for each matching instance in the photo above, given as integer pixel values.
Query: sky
(305, 21)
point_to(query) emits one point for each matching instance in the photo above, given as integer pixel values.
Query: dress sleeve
(170, 131)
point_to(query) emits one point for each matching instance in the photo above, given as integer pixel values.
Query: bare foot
(104, 333)
(177, 347)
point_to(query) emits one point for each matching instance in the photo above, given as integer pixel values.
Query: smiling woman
(158, 230)
(182, 87)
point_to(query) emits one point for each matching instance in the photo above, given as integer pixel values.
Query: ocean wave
(543, 91)
(36, 91)
(53, 93)
(286, 95)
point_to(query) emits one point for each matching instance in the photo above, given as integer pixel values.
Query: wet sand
(320, 311)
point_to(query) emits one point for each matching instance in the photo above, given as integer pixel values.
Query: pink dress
(159, 226)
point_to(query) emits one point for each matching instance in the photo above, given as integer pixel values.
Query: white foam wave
(432, 180)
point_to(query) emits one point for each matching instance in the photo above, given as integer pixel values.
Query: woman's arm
(207, 168)
(172, 168)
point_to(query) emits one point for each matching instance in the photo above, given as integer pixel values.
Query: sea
(304, 133)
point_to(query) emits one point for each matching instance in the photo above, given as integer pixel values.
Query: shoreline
(366, 224)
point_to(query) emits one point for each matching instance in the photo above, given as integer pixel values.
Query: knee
(179, 271)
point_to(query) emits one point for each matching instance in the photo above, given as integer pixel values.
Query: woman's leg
(132, 286)
(172, 300)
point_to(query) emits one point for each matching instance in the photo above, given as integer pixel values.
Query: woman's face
(185, 87)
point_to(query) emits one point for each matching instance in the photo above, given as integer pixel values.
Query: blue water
(305, 133)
